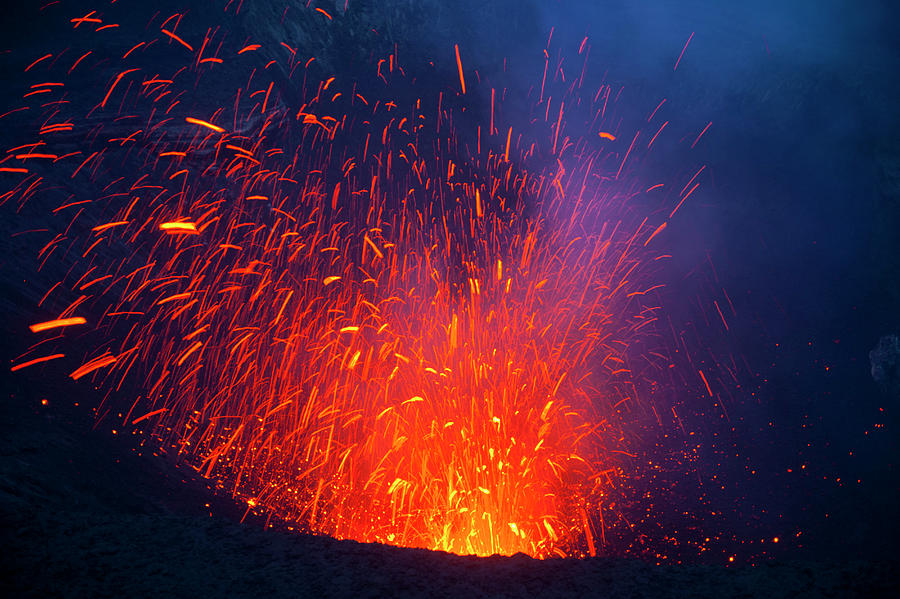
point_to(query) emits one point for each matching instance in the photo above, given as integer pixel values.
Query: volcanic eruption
(378, 308)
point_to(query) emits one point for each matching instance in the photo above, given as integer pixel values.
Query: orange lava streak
(462, 78)
(178, 227)
(36, 361)
(206, 124)
(178, 39)
(53, 324)
(706, 383)
(93, 365)
(148, 415)
(113, 86)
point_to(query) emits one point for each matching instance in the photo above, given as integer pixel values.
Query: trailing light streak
(206, 124)
(690, 37)
(462, 77)
(54, 324)
(93, 365)
(178, 39)
(36, 361)
(178, 227)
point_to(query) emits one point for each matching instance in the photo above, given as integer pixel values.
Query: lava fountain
(359, 307)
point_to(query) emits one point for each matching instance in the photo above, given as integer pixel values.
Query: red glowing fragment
(54, 324)
(206, 124)
(178, 39)
(462, 78)
(178, 227)
(36, 361)
(149, 415)
(91, 366)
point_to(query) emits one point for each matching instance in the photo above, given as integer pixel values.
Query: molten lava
(350, 312)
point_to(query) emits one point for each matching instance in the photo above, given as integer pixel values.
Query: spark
(178, 39)
(675, 68)
(36, 361)
(54, 324)
(91, 366)
(178, 227)
(462, 77)
(203, 123)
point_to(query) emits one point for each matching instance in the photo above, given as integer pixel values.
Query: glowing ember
(349, 311)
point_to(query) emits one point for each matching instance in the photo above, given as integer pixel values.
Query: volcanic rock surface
(82, 516)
